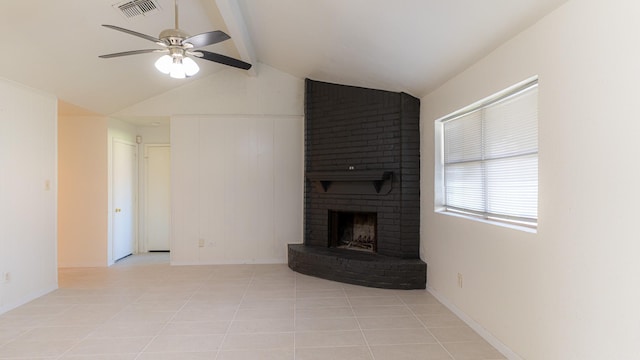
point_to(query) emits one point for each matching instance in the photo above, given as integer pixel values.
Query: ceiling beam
(234, 20)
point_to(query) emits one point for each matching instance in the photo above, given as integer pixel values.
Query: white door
(157, 196)
(124, 199)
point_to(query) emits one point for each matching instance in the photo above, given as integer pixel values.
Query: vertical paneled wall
(236, 188)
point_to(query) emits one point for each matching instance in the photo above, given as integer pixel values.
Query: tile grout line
(235, 313)
(428, 330)
(22, 332)
(97, 327)
(164, 326)
(359, 325)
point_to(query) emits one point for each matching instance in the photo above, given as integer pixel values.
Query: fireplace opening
(353, 230)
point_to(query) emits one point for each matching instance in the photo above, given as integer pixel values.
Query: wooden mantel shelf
(352, 181)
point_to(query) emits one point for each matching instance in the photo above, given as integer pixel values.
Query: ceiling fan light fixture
(177, 69)
(190, 66)
(163, 64)
(177, 65)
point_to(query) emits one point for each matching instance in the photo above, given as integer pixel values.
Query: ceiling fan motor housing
(173, 37)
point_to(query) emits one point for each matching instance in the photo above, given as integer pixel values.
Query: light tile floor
(143, 309)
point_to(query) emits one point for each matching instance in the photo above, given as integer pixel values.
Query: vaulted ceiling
(407, 45)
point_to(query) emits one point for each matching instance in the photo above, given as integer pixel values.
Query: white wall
(570, 291)
(229, 91)
(154, 134)
(28, 188)
(82, 191)
(236, 188)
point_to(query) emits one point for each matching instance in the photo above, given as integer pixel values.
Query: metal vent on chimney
(134, 8)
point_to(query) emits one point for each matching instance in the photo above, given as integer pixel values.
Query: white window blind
(490, 161)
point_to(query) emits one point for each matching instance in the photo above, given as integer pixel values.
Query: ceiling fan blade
(208, 38)
(132, 52)
(222, 59)
(135, 33)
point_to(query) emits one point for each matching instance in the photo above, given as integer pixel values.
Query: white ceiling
(403, 45)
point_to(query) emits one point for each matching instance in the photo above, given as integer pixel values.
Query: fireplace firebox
(353, 230)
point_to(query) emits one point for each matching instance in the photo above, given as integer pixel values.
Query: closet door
(124, 198)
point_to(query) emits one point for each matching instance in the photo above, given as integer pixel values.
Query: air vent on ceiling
(134, 8)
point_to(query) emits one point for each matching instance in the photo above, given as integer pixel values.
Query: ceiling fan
(178, 48)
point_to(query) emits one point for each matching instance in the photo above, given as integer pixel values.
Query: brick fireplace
(362, 195)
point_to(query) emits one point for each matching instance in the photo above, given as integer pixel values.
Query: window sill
(528, 229)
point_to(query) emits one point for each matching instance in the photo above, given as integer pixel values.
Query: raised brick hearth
(362, 155)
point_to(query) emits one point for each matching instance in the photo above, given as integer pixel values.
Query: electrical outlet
(6, 277)
(200, 242)
(460, 280)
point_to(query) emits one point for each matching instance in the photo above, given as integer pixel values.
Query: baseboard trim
(502, 348)
(230, 262)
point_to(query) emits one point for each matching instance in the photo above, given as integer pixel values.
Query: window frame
(440, 205)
